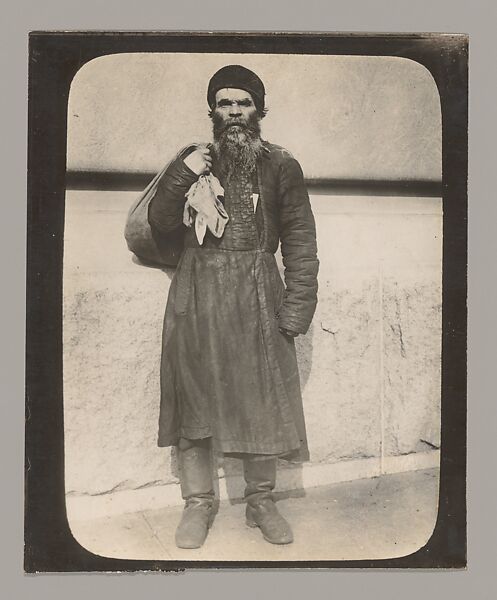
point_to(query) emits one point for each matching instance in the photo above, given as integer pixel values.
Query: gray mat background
(477, 19)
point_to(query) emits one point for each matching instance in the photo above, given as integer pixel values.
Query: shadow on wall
(168, 271)
(304, 347)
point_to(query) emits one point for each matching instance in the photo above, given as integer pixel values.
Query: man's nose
(235, 110)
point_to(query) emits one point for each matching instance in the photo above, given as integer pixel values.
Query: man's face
(236, 131)
(235, 108)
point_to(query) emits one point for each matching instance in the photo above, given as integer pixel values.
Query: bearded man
(229, 377)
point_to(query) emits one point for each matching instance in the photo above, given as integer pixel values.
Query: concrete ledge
(83, 508)
(80, 179)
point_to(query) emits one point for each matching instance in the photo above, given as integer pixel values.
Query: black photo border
(54, 59)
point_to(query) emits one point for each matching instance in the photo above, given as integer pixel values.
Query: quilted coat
(227, 370)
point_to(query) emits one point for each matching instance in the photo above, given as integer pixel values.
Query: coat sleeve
(165, 211)
(298, 249)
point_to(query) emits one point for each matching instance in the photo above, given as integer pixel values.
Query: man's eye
(227, 103)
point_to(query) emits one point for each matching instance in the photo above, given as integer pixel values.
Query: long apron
(227, 372)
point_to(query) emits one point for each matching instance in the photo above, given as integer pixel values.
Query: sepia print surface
(367, 132)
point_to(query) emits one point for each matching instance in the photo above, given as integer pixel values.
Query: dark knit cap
(236, 76)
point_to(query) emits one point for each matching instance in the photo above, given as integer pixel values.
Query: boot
(261, 511)
(198, 493)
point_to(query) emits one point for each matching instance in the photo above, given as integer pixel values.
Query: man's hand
(199, 161)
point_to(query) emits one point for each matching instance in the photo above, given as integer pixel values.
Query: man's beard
(236, 149)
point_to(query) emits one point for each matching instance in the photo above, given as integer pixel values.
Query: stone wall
(370, 364)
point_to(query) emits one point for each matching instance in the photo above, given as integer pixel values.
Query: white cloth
(205, 198)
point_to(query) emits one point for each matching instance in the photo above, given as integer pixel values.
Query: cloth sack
(150, 246)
